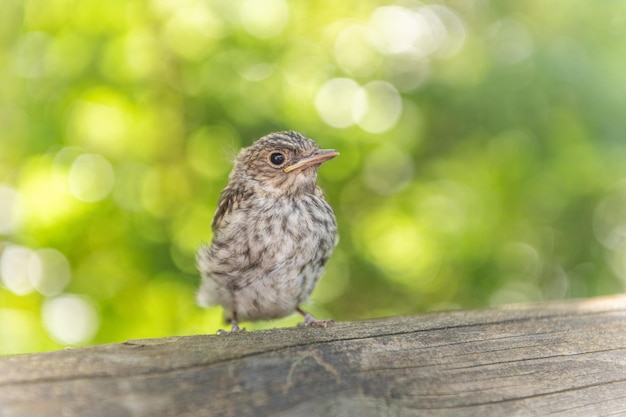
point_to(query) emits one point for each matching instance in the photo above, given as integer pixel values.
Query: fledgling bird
(273, 232)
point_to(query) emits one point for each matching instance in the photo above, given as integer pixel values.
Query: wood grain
(557, 359)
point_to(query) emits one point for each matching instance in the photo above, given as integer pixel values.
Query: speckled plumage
(273, 232)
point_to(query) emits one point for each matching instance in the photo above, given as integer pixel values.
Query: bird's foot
(310, 321)
(233, 330)
(223, 332)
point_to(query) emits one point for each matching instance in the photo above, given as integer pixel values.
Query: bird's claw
(310, 321)
(234, 330)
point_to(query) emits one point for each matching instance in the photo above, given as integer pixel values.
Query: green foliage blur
(483, 157)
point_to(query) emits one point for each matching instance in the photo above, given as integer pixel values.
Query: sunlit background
(483, 153)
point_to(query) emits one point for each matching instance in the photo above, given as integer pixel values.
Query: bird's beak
(317, 158)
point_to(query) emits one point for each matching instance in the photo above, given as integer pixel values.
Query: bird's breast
(295, 227)
(270, 253)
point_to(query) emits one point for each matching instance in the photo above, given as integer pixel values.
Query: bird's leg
(309, 320)
(234, 326)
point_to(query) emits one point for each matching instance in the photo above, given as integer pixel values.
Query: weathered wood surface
(560, 359)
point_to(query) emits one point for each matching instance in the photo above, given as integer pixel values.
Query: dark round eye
(277, 158)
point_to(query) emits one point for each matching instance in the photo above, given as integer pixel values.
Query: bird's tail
(205, 297)
(207, 293)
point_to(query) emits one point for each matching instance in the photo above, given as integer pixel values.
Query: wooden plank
(557, 359)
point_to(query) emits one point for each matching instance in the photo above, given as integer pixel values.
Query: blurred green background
(483, 157)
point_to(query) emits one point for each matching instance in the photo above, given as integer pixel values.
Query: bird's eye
(277, 158)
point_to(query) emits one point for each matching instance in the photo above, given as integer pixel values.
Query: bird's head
(283, 162)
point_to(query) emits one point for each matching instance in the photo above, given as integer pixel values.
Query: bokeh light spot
(102, 122)
(264, 18)
(14, 269)
(456, 33)
(397, 244)
(377, 107)
(49, 272)
(397, 29)
(43, 202)
(70, 319)
(192, 30)
(91, 178)
(609, 222)
(335, 100)
(407, 72)
(10, 209)
(410, 37)
(354, 53)
(22, 270)
(257, 72)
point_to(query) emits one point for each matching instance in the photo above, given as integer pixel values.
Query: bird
(273, 233)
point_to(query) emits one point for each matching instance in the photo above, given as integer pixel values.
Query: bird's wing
(230, 199)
